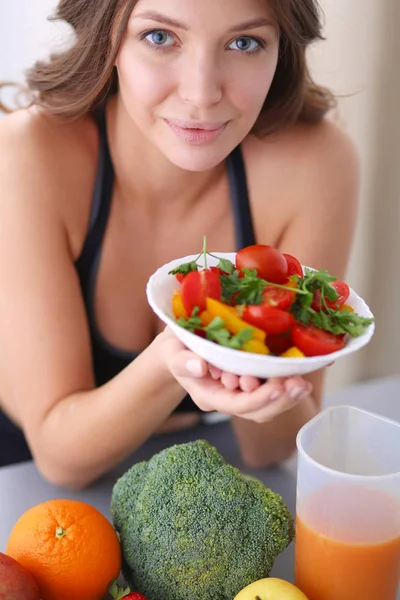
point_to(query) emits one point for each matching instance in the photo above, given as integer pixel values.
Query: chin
(191, 158)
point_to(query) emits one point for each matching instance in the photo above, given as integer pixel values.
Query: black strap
(244, 232)
(102, 196)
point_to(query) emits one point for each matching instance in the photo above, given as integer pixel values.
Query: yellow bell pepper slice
(292, 352)
(256, 347)
(233, 323)
(177, 306)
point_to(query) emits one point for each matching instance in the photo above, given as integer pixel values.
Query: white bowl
(160, 288)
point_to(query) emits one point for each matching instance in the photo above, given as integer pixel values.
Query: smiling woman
(162, 123)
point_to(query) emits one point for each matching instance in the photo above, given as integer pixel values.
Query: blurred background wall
(359, 61)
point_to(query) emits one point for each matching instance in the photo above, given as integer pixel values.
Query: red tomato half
(269, 263)
(197, 286)
(343, 292)
(314, 342)
(278, 298)
(294, 266)
(271, 320)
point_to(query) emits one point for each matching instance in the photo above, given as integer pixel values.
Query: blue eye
(246, 44)
(159, 37)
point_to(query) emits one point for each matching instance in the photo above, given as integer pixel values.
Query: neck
(144, 174)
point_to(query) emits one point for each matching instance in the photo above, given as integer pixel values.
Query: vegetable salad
(265, 303)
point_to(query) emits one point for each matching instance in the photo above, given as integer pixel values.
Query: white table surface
(22, 486)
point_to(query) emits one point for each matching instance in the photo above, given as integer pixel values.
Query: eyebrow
(160, 18)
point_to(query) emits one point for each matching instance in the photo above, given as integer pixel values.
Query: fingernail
(298, 393)
(194, 366)
(275, 395)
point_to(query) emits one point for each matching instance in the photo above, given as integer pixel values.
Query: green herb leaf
(226, 266)
(184, 268)
(217, 332)
(247, 289)
(192, 323)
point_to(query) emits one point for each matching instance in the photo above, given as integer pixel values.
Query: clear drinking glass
(347, 543)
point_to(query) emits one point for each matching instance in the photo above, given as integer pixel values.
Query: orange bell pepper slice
(346, 307)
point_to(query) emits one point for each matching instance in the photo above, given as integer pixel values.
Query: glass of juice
(347, 544)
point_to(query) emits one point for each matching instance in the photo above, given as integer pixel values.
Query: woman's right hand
(214, 390)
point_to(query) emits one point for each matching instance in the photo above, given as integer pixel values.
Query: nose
(200, 80)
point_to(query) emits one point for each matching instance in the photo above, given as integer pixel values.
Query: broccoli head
(192, 526)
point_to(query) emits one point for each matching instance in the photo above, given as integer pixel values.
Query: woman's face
(194, 74)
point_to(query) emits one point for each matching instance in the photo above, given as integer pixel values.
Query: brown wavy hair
(80, 79)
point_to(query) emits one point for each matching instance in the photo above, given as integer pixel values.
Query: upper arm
(44, 342)
(321, 199)
(321, 227)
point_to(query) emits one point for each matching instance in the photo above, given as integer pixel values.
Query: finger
(214, 372)
(229, 380)
(297, 388)
(271, 410)
(209, 392)
(247, 383)
(183, 363)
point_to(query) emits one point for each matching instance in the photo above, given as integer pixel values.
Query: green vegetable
(247, 289)
(216, 330)
(328, 319)
(224, 264)
(192, 527)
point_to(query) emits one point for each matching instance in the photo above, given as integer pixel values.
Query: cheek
(143, 84)
(249, 90)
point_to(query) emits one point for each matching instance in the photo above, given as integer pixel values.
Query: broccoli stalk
(193, 526)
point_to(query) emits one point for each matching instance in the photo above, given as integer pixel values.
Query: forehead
(205, 14)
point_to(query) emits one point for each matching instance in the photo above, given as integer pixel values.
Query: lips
(196, 132)
(203, 125)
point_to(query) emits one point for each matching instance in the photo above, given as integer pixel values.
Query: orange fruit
(69, 547)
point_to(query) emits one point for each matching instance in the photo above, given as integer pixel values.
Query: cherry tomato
(314, 342)
(218, 271)
(278, 344)
(269, 263)
(197, 286)
(343, 292)
(269, 319)
(294, 266)
(278, 298)
(179, 277)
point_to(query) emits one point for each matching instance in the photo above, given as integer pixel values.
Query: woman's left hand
(243, 396)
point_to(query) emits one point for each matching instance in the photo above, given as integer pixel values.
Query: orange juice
(348, 545)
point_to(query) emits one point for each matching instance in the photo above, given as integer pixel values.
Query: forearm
(265, 444)
(87, 433)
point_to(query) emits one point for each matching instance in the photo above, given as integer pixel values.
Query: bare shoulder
(48, 163)
(320, 152)
(41, 137)
(304, 185)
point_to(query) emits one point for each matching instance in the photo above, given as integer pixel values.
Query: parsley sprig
(224, 264)
(249, 290)
(216, 331)
(329, 319)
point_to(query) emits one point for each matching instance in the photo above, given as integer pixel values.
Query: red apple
(15, 581)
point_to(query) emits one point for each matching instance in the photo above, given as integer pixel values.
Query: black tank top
(108, 360)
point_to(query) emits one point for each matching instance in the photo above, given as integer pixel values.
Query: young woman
(163, 122)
